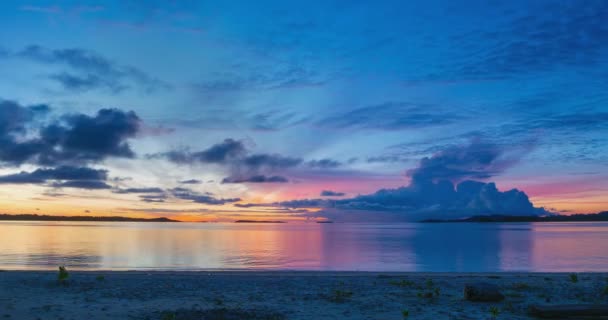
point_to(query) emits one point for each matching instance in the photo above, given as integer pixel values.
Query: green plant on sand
(494, 311)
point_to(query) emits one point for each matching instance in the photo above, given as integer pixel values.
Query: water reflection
(306, 246)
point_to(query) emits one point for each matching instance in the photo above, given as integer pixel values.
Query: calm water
(306, 246)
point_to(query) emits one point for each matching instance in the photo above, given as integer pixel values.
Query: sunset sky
(321, 109)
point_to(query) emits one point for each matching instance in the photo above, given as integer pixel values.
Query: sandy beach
(284, 295)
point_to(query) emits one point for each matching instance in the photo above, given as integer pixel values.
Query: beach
(278, 295)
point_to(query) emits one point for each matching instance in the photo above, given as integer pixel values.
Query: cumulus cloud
(74, 139)
(432, 192)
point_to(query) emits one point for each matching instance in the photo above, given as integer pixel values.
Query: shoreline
(286, 294)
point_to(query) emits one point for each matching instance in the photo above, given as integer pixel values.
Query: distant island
(258, 221)
(600, 216)
(37, 217)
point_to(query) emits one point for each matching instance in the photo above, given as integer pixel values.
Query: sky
(344, 110)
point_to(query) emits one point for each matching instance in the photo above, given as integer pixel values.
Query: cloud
(196, 197)
(386, 159)
(431, 192)
(139, 190)
(89, 70)
(63, 176)
(74, 139)
(243, 166)
(324, 163)
(256, 179)
(329, 193)
(424, 200)
(270, 161)
(223, 152)
(91, 185)
(85, 83)
(191, 181)
(477, 160)
(389, 116)
(551, 35)
(93, 138)
(153, 198)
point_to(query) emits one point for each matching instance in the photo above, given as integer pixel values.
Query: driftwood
(573, 311)
(482, 292)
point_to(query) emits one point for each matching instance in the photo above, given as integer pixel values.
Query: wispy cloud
(87, 70)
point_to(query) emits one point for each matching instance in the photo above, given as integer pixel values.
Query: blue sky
(370, 87)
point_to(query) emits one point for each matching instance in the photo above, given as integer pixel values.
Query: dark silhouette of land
(37, 217)
(600, 216)
(258, 221)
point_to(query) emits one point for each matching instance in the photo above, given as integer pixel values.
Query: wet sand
(284, 295)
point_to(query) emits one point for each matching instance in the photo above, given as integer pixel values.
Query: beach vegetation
(63, 274)
(405, 313)
(573, 278)
(100, 278)
(494, 312)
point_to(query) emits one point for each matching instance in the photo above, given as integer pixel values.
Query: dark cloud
(221, 153)
(270, 161)
(191, 181)
(477, 160)
(139, 190)
(153, 198)
(60, 173)
(74, 139)
(329, 193)
(256, 179)
(87, 138)
(61, 177)
(324, 163)
(390, 116)
(89, 70)
(91, 185)
(244, 167)
(196, 197)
